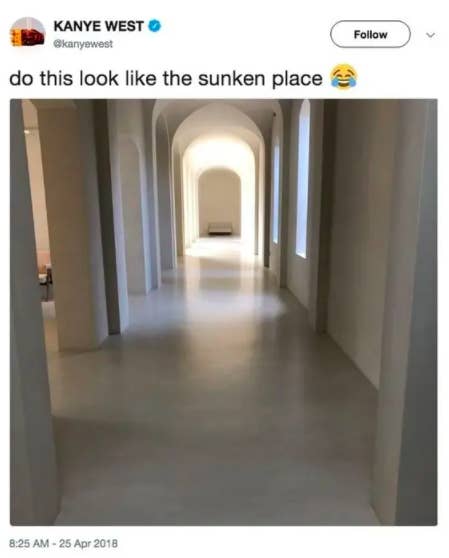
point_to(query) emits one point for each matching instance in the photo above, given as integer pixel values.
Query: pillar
(153, 217)
(405, 469)
(267, 201)
(286, 107)
(34, 482)
(322, 164)
(177, 184)
(111, 221)
(165, 197)
(129, 149)
(71, 186)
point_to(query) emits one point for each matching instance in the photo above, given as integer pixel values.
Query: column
(71, 186)
(34, 482)
(111, 215)
(405, 471)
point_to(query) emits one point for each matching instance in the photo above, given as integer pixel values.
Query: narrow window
(276, 173)
(303, 179)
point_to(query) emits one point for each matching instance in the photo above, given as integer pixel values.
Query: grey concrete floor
(218, 406)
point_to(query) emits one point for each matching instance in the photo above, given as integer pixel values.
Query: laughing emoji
(343, 76)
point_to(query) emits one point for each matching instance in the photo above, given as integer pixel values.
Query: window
(303, 179)
(276, 178)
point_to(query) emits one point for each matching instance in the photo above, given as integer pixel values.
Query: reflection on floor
(217, 406)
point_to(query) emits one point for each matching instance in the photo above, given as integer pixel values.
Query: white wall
(298, 267)
(405, 467)
(37, 191)
(365, 149)
(34, 157)
(299, 280)
(219, 199)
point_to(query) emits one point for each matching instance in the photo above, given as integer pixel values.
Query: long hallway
(282, 375)
(218, 406)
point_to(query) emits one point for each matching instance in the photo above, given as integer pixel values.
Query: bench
(214, 229)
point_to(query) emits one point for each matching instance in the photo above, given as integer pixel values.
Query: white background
(252, 36)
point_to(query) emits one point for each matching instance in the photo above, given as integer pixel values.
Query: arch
(219, 199)
(260, 111)
(220, 135)
(217, 117)
(226, 151)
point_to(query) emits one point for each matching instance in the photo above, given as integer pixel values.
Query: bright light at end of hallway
(221, 151)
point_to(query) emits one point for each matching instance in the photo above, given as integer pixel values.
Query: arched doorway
(219, 135)
(219, 202)
(220, 151)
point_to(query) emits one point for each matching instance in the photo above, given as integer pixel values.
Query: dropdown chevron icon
(430, 35)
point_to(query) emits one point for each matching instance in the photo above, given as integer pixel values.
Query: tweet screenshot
(220, 310)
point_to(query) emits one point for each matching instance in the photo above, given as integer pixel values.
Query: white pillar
(165, 196)
(322, 161)
(111, 219)
(153, 213)
(284, 190)
(405, 472)
(138, 280)
(177, 186)
(129, 148)
(70, 176)
(34, 482)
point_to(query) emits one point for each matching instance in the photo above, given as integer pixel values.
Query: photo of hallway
(223, 312)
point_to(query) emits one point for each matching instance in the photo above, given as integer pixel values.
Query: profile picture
(27, 31)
